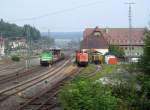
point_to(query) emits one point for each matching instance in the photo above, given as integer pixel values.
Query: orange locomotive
(81, 58)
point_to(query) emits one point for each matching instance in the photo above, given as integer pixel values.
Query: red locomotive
(81, 58)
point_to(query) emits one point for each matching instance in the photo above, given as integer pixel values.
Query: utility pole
(149, 23)
(130, 29)
(79, 43)
(28, 49)
(1, 35)
(2, 41)
(48, 32)
(48, 46)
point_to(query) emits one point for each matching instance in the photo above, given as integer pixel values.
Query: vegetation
(127, 92)
(32, 32)
(137, 97)
(15, 58)
(12, 31)
(84, 94)
(106, 70)
(89, 69)
(145, 61)
(116, 50)
(144, 77)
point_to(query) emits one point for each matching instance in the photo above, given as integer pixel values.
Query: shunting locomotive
(81, 58)
(50, 56)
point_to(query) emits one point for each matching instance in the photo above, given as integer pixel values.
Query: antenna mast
(130, 28)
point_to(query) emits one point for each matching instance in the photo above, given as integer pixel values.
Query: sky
(74, 15)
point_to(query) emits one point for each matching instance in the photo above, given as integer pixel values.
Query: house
(2, 47)
(18, 43)
(95, 41)
(132, 46)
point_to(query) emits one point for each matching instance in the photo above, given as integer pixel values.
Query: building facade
(132, 46)
(18, 43)
(95, 41)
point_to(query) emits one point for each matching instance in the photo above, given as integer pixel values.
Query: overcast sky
(74, 15)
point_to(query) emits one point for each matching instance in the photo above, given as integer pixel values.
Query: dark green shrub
(130, 97)
(15, 58)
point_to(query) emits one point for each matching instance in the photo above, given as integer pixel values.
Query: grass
(89, 69)
(106, 70)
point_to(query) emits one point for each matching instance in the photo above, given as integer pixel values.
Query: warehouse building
(102, 37)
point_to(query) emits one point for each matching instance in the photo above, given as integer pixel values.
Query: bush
(83, 94)
(15, 58)
(128, 95)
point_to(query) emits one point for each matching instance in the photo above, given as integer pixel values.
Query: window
(134, 41)
(142, 42)
(113, 41)
(97, 34)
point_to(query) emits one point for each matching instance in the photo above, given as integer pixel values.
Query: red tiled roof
(118, 36)
(94, 42)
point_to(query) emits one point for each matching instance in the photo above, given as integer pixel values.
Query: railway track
(6, 70)
(11, 69)
(47, 99)
(18, 74)
(13, 65)
(52, 73)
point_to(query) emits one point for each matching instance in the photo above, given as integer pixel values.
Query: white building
(20, 42)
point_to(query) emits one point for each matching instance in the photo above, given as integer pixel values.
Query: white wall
(103, 51)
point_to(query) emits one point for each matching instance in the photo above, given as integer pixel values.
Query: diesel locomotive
(51, 56)
(82, 58)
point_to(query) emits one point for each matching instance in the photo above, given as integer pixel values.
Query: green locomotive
(48, 57)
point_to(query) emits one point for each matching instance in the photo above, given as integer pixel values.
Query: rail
(32, 82)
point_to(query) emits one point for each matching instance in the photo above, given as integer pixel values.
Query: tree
(144, 77)
(116, 50)
(32, 32)
(145, 60)
(12, 31)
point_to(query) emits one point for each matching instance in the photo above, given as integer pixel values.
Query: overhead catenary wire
(57, 12)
